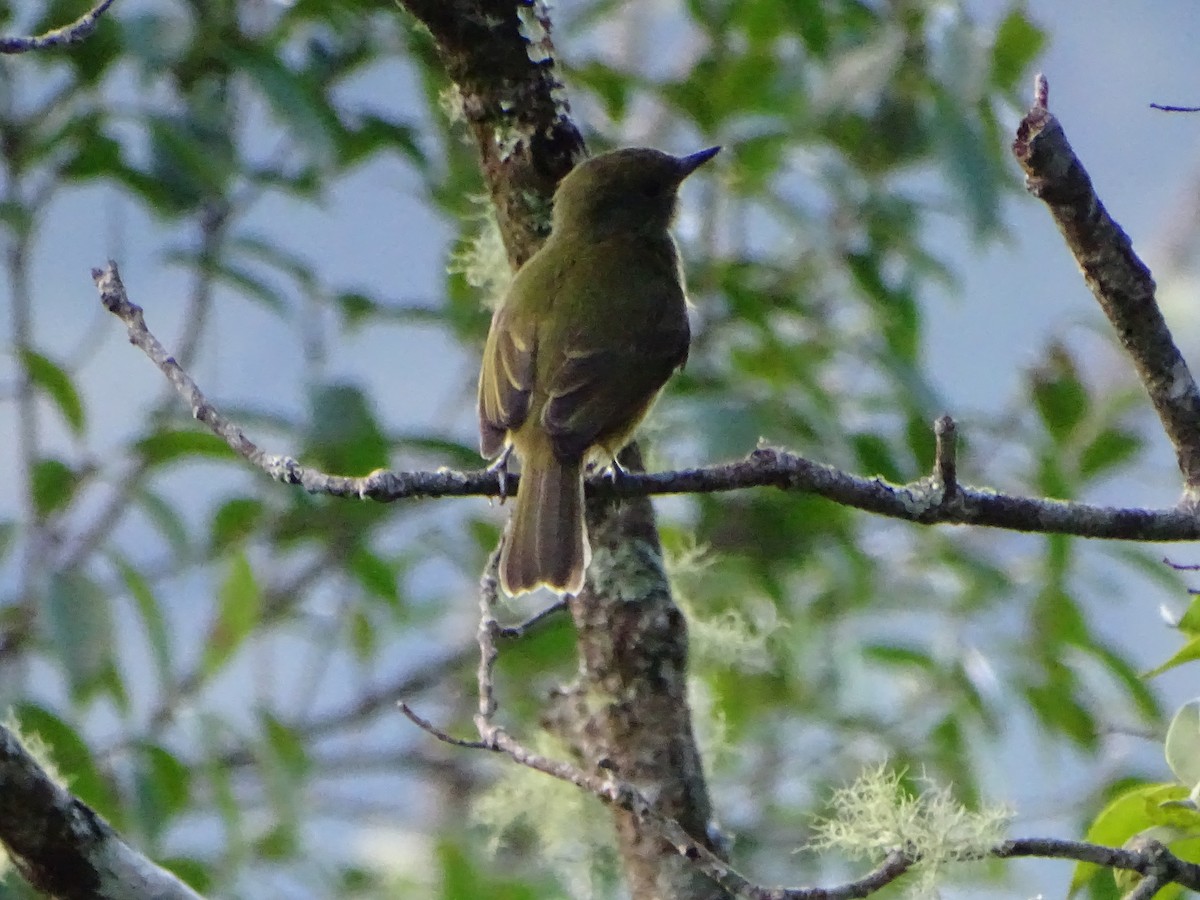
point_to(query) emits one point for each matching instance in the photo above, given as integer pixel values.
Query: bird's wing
(505, 380)
(597, 396)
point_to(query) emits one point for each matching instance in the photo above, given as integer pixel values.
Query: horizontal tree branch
(939, 499)
(64, 848)
(1118, 279)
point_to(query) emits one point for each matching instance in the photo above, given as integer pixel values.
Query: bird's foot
(500, 468)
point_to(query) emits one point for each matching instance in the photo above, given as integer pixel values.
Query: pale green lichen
(876, 815)
(732, 638)
(572, 830)
(483, 260)
(532, 27)
(40, 752)
(921, 497)
(508, 140)
(450, 102)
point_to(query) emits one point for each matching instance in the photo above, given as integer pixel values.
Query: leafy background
(214, 659)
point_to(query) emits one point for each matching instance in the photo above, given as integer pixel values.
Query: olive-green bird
(589, 332)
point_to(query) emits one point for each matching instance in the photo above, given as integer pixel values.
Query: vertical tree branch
(500, 57)
(628, 710)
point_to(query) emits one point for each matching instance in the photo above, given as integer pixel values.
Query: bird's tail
(547, 542)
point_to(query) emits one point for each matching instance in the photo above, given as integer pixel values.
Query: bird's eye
(651, 188)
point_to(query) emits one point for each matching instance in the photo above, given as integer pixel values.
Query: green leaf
(1183, 744)
(1016, 45)
(287, 748)
(1120, 668)
(345, 437)
(8, 531)
(251, 287)
(376, 575)
(162, 788)
(189, 161)
(1111, 448)
(234, 521)
(296, 99)
(196, 873)
(1059, 394)
(266, 251)
(151, 614)
(875, 456)
(369, 134)
(1130, 813)
(78, 617)
(279, 843)
(364, 635)
(611, 87)
(239, 604)
(220, 778)
(168, 446)
(165, 518)
(53, 483)
(356, 307)
(968, 162)
(285, 765)
(1189, 622)
(97, 155)
(895, 655)
(71, 757)
(56, 383)
(1187, 653)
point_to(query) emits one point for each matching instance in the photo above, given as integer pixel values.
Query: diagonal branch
(1153, 860)
(1117, 278)
(77, 31)
(63, 847)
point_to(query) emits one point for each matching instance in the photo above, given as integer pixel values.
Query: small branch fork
(1150, 859)
(77, 31)
(938, 499)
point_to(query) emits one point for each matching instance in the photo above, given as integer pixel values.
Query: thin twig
(77, 31)
(1146, 888)
(515, 632)
(945, 467)
(425, 725)
(213, 227)
(489, 588)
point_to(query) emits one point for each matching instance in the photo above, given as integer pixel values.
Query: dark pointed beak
(689, 164)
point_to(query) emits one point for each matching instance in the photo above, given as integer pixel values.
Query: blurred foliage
(140, 628)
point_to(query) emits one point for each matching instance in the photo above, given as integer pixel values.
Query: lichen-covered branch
(64, 848)
(1117, 278)
(500, 57)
